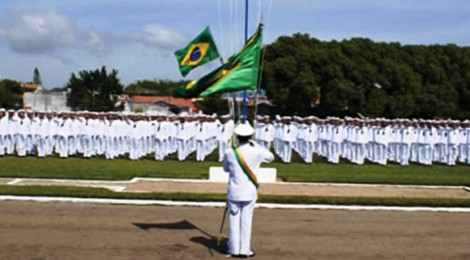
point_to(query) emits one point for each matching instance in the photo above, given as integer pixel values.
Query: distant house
(31, 87)
(162, 105)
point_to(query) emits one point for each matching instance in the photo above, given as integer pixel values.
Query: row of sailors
(91, 134)
(377, 140)
(112, 135)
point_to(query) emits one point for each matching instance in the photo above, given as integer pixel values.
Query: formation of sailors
(376, 140)
(89, 134)
(111, 135)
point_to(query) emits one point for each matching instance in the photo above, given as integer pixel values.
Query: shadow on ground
(209, 241)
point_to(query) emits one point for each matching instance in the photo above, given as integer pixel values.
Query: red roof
(180, 102)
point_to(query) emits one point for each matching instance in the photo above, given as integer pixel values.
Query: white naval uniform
(288, 137)
(264, 134)
(408, 137)
(441, 147)
(183, 137)
(224, 137)
(200, 137)
(21, 137)
(463, 150)
(453, 143)
(360, 144)
(160, 141)
(242, 195)
(3, 134)
(309, 137)
(334, 143)
(10, 141)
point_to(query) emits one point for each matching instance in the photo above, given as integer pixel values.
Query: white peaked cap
(244, 129)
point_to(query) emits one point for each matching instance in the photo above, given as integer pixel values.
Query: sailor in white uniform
(224, 134)
(3, 130)
(23, 126)
(242, 163)
(288, 138)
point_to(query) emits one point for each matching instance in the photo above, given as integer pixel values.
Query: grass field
(297, 171)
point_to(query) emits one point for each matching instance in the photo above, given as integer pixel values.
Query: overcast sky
(138, 38)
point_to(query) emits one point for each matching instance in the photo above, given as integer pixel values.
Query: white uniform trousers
(20, 143)
(405, 154)
(425, 154)
(160, 149)
(463, 153)
(30, 144)
(200, 150)
(360, 153)
(223, 144)
(240, 221)
(61, 146)
(72, 144)
(440, 154)
(308, 151)
(333, 152)
(86, 146)
(9, 144)
(453, 153)
(381, 154)
(182, 149)
(49, 143)
(41, 146)
(286, 151)
(99, 144)
(414, 151)
(2, 145)
(110, 151)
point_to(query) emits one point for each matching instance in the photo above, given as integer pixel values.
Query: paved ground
(33, 230)
(310, 189)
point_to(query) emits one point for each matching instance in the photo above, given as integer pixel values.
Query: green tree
(95, 90)
(415, 80)
(213, 104)
(37, 77)
(11, 94)
(162, 87)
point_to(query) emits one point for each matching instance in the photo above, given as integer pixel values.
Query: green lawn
(297, 171)
(82, 192)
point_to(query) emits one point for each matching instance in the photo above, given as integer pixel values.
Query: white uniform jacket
(240, 188)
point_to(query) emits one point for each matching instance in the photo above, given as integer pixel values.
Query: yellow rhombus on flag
(199, 51)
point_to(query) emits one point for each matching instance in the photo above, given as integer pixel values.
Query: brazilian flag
(199, 51)
(240, 72)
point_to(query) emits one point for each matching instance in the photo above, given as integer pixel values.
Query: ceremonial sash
(246, 169)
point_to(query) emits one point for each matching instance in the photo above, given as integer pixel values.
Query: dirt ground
(33, 230)
(307, 189)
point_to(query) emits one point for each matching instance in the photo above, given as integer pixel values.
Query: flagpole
(246, 39)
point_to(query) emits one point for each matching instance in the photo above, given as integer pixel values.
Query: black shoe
(252, 254)
(234, 256)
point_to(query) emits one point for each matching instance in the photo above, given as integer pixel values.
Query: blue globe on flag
(195, 54)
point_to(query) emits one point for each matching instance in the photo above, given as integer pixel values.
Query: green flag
(199, 51)
(240, 72)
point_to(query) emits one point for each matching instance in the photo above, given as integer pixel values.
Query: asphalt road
(38, 230)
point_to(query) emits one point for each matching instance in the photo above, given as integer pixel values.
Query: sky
(139, 37)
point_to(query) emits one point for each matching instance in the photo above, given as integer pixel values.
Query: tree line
(305, 76)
